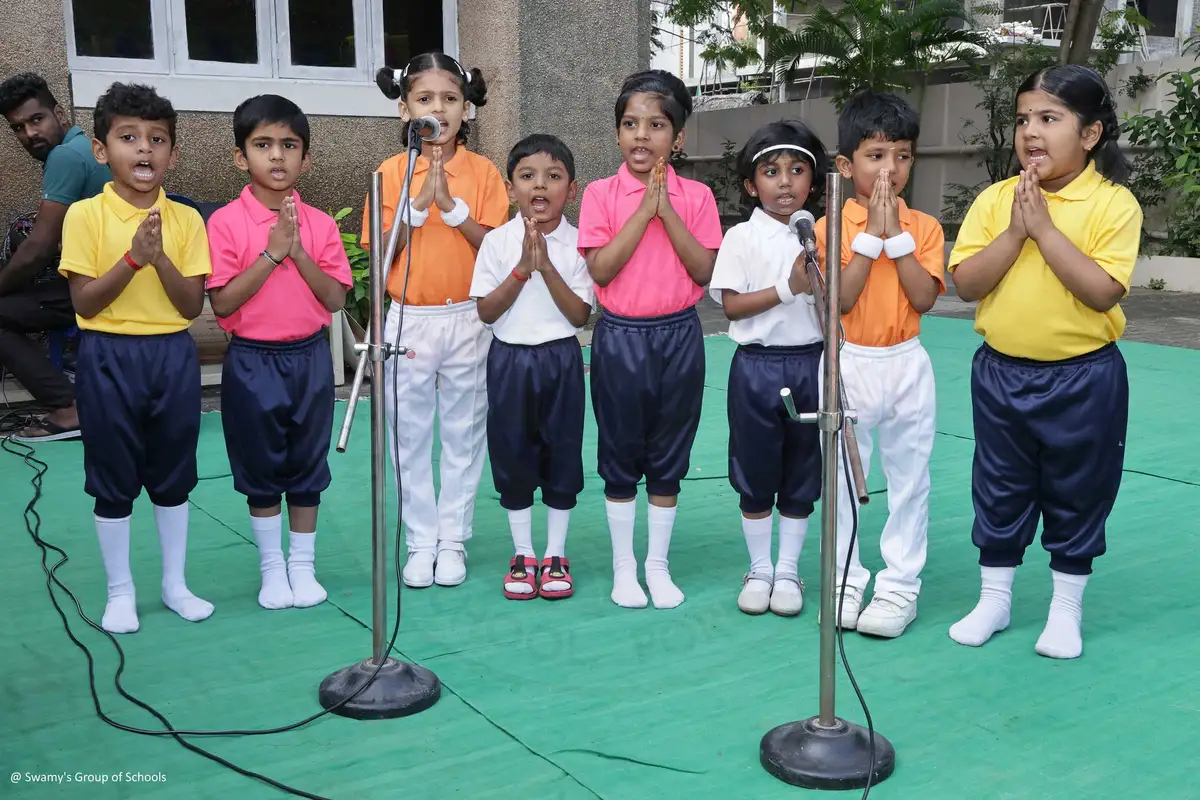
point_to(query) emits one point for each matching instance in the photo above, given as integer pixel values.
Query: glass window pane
(322, 32)
(113, 29)
(410, 28)
(222, 30)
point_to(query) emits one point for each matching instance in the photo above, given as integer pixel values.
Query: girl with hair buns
(456, 197)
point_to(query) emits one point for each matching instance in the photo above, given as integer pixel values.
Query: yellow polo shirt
(1030, 314)
(97, 232)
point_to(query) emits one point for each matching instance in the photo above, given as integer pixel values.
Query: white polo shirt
(756, 255)
(534, 318)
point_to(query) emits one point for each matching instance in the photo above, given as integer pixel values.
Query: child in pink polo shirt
(650, 239)
(279, 273)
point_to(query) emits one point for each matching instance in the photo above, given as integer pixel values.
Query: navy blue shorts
(1049, 442)
(139, 415)
(647, 390)
(773, 459)
(277, 412)
(535, 422)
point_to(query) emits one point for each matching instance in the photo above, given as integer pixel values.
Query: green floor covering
(580, 699)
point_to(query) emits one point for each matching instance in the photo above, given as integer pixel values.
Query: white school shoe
(850, 606)
(451, 567)
(787, 596)
(888, 615)
(755, 597)
(418, 571)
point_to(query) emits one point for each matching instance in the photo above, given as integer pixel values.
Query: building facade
(550, 67)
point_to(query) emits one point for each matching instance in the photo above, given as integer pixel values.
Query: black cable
(41, 468)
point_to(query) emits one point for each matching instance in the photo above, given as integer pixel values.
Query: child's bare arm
(90, 296)
(186, 294)
(500, 299)
(920, 287)
(572, 307)
(227, 299)
(697, 259)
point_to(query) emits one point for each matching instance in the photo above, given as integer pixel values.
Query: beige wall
(942, 159)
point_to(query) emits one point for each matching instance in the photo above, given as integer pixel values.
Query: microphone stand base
(808, 755)
(399, 690)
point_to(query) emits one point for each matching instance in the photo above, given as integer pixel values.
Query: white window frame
(362, 56)
(158, 36)
(220, 87)
(183, 65)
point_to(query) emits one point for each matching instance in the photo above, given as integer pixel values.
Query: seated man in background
(34, 298)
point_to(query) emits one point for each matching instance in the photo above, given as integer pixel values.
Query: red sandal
(556, 569)
(522, 569)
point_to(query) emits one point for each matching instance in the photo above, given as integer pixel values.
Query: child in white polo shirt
(761, 282)
(532, 286)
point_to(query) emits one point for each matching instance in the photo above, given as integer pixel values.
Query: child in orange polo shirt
(456, 198)
(893, 265)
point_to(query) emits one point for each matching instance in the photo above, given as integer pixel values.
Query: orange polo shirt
(443, 261)
(883, 316)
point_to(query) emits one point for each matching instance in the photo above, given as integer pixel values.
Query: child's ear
(678, 145)
(99, 151)
(748, 185)
(174, 157)
(1091, 135)
(240, 161)
(572, 192)
(512, 193)
(844, 166)
(306, 162)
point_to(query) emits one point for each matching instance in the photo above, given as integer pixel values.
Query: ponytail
(1110, 160)
(385, 79)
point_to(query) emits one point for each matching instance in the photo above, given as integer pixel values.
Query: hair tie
(773, 148)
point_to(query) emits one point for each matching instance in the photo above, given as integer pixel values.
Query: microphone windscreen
(802, 222)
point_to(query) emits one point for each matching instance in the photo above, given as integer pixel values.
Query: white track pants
(447, 378)
(892, 390)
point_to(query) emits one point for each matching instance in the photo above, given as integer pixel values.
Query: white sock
(521, 525)
(120, 612)
(557, 521)
(302, 575)
(627, 592)
(791, 542)
(758, 543)
(172, 525)
(1061, 637)
(663, 591)
(990, 614)
(274, 591)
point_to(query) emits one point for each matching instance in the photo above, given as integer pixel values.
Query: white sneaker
(888, 615)
(451, 567)
(787, 596)
(850, 607)
(418, 572)
(756, 593)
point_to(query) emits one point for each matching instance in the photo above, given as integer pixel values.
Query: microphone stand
(380, 687)
(826, 752)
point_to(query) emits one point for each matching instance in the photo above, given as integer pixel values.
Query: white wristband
(457, 215)
(785, 292)
(901, 245)
(416, 218)
(867, 245)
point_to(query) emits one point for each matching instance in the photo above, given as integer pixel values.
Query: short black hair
(24, 87)
(269, 109)
(676, 100)
(132, 100)
(785, 132)
(541, 143)
(870, 114)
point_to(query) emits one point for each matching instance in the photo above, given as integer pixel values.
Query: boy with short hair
(892, 272)
(136, 263)
(279, 272)
(532, 286)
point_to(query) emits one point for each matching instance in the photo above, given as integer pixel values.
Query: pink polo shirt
(284, 308)
(654, 282)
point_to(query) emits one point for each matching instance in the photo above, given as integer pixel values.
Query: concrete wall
(942, 158)
(551, 68)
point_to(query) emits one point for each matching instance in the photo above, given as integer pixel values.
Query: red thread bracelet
(517, 275)
(133, 264)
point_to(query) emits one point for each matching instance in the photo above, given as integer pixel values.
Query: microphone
(802, 224)
(427, 128)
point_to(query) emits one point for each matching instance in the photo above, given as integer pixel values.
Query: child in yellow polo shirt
(893, 270)
(136, 263)
(1048, 255)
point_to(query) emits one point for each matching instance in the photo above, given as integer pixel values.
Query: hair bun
(475, 87)
(385, 79)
